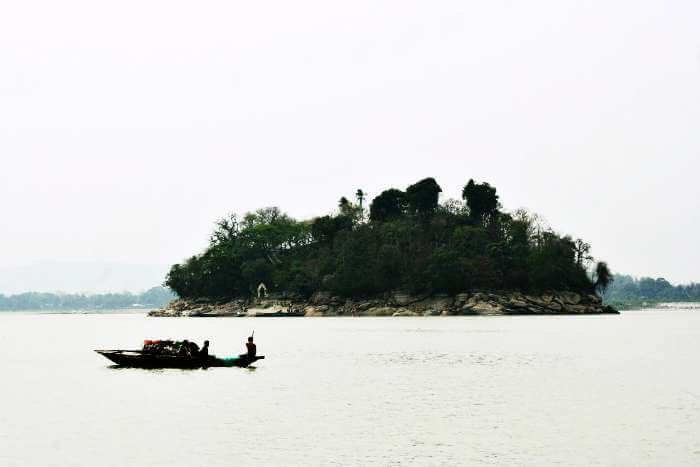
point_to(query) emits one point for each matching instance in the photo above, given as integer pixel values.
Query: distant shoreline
(93, 311)
(626, 305)
(152, 298)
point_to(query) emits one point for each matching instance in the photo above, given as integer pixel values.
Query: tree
(344, 205)
(583, 253)
(481, 199)
(267, 215)
(360, 195)
(422, 197)
(226, 230)
(349, 210)
(603, 277)
(454, 207)
(324, 229)
(390, 204)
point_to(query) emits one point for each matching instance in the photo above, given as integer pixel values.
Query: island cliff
(465, 256)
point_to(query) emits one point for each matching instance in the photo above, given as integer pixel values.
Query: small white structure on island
(262, 288)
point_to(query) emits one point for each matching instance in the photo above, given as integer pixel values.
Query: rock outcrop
(396, 304)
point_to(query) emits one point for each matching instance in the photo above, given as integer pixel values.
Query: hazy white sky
(127, 128)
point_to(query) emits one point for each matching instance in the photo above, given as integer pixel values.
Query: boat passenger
(204, 353)
(251, 347)
(185, 350)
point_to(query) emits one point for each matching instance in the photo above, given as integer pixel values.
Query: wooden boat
(141, 359)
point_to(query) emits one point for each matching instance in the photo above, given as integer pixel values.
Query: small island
(407, 255)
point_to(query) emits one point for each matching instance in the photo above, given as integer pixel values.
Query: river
(530, 391)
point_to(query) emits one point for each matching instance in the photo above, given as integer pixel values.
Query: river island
(407, 254)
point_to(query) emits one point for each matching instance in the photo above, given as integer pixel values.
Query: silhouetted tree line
(155, 297)
(409, 241)
(628, 288)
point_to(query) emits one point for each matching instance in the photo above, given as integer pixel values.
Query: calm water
(593, 390)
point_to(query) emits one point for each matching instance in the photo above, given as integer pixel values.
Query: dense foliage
(628, 288)
(152, 298)
(409, 241)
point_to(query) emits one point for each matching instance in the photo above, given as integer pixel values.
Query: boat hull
(140, 359)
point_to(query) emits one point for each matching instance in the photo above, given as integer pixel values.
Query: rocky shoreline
(394, 304)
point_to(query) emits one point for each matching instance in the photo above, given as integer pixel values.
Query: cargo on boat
(145, 359)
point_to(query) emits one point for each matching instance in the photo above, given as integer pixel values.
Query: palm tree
(360, 195)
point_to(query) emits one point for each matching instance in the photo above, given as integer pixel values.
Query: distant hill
(81, 277)
(629, 288)
(152, 298)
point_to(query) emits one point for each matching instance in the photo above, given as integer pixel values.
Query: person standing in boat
(250, 346)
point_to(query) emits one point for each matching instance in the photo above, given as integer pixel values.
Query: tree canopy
(422, 197)
(410, 241)
(481, 200)
(390, 204)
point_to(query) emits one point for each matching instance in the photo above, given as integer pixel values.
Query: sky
(127, 128)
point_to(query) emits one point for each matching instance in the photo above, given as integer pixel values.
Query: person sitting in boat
(184, 350)
(204, 353)
(188, 349)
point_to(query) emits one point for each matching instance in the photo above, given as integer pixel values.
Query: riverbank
(395, 304)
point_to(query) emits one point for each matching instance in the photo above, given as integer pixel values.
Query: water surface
(544, 390)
